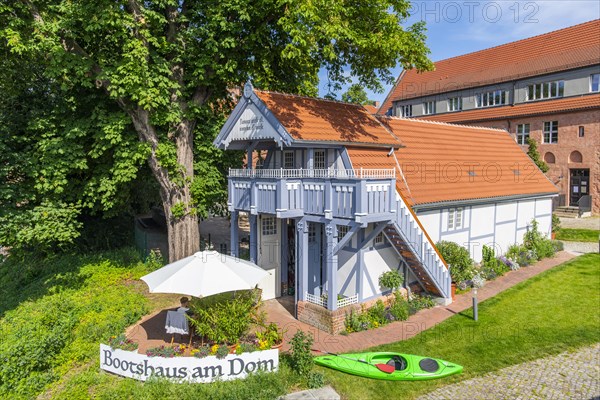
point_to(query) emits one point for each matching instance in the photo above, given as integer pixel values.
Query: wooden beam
(376, 231)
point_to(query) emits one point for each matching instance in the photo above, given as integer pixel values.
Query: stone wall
(333, 321)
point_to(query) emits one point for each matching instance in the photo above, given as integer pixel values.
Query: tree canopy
(98, 96)
(356, 94)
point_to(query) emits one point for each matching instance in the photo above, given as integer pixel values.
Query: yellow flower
(214, 348)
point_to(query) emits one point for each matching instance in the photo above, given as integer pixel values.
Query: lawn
(578, 235)
(54, 313)
(548, 314)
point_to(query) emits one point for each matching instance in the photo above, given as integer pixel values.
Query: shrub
(377, 314)
(301, 359)
(399, 308)
(315, 380)
(534, 240)
(226, 320)
(270, 336)
(521, 255)
(555, 224)
(357, 321)
(458, 259)
(558, 245)
(418, 302)
(490, 266)
(391, 280)
(509, 263)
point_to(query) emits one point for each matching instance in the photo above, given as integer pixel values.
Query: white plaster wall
(483, 221)
(498, 224)
(347, 269)
(377, 262)
(431, 221)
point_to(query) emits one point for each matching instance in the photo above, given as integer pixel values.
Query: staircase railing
(421, 246)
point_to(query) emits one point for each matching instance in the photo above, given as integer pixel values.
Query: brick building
(545, 88)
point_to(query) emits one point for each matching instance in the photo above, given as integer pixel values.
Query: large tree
(148, 80)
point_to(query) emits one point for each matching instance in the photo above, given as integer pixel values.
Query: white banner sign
(186, 369)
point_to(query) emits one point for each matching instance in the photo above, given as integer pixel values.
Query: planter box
(131, 364)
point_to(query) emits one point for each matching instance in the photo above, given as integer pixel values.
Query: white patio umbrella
(204, 274)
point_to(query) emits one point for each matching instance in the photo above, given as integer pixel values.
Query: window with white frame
(522, 133)
(493, 98)
(455, 104)
(551, 132)
(342, 231)
(429, 107)
(379, 239)
(319, 159)
(289, 161)
(405, 111)
(546, 90)
(594, 82)
(269, 226)
(455, 218)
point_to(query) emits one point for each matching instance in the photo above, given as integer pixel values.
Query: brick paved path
(565, 376)
(397, 331)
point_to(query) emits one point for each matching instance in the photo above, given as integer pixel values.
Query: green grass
(578, 235)
(548, 314)
(54, 313)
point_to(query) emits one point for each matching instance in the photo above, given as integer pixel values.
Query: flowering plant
(121, 342)
(167, 352)
(201, 352)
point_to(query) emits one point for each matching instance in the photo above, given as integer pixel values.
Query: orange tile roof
(307, 118)
(371, 108)
(572, 47)
(437, 158)
(541, 107)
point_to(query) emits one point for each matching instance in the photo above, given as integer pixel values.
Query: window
(494, 98)
(312, 232)
(429, 107)
(595, 83)
(319, 159)
(378, 239)
(551, 132)
(342, 231)
(581, 131)
(269, 226)
(546, 90)
(522, 133)
(455, 218)
(455, 104)
(405, 111)
(288, 160)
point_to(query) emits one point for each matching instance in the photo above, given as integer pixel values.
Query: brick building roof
(307, 118)
(573, 47)
(444, 162)
(541, 107)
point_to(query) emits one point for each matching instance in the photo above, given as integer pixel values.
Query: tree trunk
(183, 232)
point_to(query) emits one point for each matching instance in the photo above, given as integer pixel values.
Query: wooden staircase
(419, 253)
(412, 260)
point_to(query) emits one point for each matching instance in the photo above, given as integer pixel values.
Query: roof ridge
(597, 20)
(310, 98)
(427, 121)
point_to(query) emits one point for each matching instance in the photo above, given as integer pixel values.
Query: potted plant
(270, 337)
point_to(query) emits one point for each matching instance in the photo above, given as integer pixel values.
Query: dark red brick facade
(564, 152)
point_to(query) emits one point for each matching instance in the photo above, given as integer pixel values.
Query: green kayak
(390, 366)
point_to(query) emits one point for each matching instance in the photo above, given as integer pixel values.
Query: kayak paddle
(388, 369)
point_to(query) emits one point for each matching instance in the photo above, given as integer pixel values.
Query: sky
(460, 27)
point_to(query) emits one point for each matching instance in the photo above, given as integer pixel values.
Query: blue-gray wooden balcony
(363, 195)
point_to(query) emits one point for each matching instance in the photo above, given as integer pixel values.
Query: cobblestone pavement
(581, 247)
(581, 223)
(565, 376)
